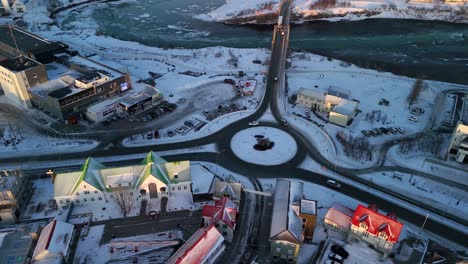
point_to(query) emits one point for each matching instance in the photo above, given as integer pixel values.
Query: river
(425, 49)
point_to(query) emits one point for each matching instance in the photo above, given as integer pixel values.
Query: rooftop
(346, 107)
(198, 247)
(15, 243)
(26, 41)
(340, 215)
(308, 207)
(54, 240)
(134, 98)
(7, 183)
(19, 64)
(223, 210)
(89, 66)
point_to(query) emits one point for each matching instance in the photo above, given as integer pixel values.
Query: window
(77, 200)
(178, 188)
(173, 188)
(304, 220)
(67, 200)
(77, 193)
(92, 199)
(224, 233)
(85, 200)
(217, 225)
(86, 192)
(289, 251)
(185, 187)
(84, 186)
(99, 198)
(34, 76)
(176, 176)
(224, 226)
(278, 249)
(95, 191)
(61, 201)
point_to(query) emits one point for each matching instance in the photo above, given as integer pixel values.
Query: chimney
(51, 174)
(392, 215)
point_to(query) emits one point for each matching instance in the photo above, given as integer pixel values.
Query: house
(204, 247)
(17, 243)
(15, 192)
(380, 231)
(223, 215)
(233, 190)
(18, 7)
(54, 243)
(153, 179)
(293, 220)
(340, 109)
(337, 221)
(459, 143)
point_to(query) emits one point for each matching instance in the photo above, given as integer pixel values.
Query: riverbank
(264, 11)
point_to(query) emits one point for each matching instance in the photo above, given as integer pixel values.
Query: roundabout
(267, 146)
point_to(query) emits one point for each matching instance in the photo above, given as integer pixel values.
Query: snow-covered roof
(202, 179)
(340, 215)
(346, 107)
(90, 65)
(311, 93)
(286, 224)
(54, 240)
(133, 98)
(231, 189)
(198, 247)
(223, 210)
(308, 207)
(102, 178)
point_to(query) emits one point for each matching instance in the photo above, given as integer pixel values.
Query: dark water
(432, 50)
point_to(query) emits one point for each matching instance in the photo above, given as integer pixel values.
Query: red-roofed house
(338, 220)
(205, 246)
(377, 229)
(223, 215)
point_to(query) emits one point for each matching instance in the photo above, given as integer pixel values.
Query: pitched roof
(55, 239)
(198, 247)
(286, 224)
(231, 189)
(223, 210)
(377, 223)
(340, 215)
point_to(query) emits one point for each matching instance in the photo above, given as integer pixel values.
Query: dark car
(188, 123)
(384, 130)
(340, 251)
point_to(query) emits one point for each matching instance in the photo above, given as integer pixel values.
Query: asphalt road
(228, 160)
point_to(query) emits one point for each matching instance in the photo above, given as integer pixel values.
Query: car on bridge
(334, 184)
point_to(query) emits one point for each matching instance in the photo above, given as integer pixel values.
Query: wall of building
(308, 225)
(338, 119)
(284, 250)
(379, 243)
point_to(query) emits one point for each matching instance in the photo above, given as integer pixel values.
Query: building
(288, 228)
(204, 247)
(15, 192)
(18, 7)
(233, 190)
(341, 110)
(19, 74)
(154, 178)
(15, 41)
(223, 215)
(140, 101)
(17, 243)
(337, 221)
(75, 83)
(459, 143)
(380, 231)
(53, 246)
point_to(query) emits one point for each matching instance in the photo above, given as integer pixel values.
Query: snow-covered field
(305, 10)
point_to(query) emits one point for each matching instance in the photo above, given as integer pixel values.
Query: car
(340, 251)
(188, 123)
(276, 78)
(365, 133)
(329, 261)
(413, 119)
(333, 184)
(284, 122)
(206, 113)
(149, 135)
(149, 117)
(335, 257)
(254, 123)
(170, 133)
(145, 119)
(393, 130)
(384, 130)
(156, 134)
(377, 131)
(182, 100)
(179, 130)
(401, 130)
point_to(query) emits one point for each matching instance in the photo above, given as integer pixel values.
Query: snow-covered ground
(253, 10)
(283, 149)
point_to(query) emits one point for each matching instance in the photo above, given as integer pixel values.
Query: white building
(152, 179)
(14, 6)
(459, 143)
(53, 246)
(340, 110)
(337, 221)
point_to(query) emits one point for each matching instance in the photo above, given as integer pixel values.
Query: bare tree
(124, 201)
(417, 87)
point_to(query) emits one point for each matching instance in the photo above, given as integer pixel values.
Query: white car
(413, 119)
(254, 123)
(276, 78)
(334, 184)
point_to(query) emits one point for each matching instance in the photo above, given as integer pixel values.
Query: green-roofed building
(153, 178)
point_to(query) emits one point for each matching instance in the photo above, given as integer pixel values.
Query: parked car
(149, 135)
(335, 257)
(384, 130)
(188, 123)
(329, 261)
(254, 123)
(413, 119)
(276, 78)
(393, 130)
(170, 133)
(366, 133)
(340, 251)
(377, 131)
(401, 130)
(284, 122)
(145, 119)
(156, 134)
(179, 130)
(334, 184)
(182, 100)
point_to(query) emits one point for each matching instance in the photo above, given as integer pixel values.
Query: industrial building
(15, 192)
(459, 143)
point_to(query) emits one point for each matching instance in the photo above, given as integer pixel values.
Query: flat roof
(15, 244)
(308, 207)
(90, 65)
(19, 64)
(136, 97)
(26, 41)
